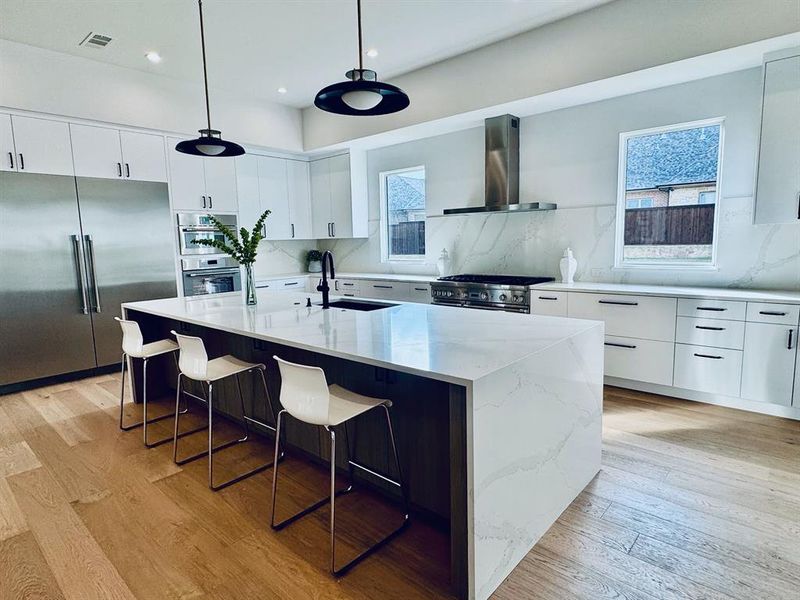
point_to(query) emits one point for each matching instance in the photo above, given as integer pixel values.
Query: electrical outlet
(597, 273)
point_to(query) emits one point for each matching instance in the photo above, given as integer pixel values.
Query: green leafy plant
(313, 255)
(243, 250)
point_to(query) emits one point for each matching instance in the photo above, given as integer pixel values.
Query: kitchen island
(497, 415)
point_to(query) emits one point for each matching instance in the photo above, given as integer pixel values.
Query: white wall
(570, 157)
(51, 82)
(610, 40)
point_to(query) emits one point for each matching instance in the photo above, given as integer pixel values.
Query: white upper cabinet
(8, 155)
(778, 186)
(200, 183)
(42, 146)
(274, 193)
(320, 199)
(96, 151)
(332, 204)
(143, 156)
(247, 190)
(299, 180)
(114, 154)
(220, 177)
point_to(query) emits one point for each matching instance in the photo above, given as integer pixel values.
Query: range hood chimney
(501, 177)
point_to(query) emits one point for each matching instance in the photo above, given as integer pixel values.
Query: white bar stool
(133, 346)
(306, 396)
(194, 364)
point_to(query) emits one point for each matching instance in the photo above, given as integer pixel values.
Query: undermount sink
(360, 305)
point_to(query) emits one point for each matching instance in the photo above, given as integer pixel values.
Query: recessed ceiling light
(281, 90)
(153, 57)
(372, 53)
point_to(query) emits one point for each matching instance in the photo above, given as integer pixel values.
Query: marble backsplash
(278, 258)
(749, 256)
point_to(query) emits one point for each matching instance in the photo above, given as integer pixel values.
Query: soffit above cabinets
(256, 47)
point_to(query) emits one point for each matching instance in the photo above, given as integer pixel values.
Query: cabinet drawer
(419, 292)
(641, 360)
(553, 304)
(288, 284)
(711, 309)
(348, 287)
(717, 333)
(643, 317)
(780, 314)
(711, 370)
(392, 290)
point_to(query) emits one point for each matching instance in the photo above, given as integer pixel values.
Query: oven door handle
(212, 273)
(199, 229)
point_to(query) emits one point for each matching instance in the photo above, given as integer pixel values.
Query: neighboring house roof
(405, 193)
(672, 158)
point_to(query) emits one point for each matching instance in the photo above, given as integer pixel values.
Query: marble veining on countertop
(458, 345)
(791, 297)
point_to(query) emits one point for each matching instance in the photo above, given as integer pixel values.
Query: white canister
(568, 266)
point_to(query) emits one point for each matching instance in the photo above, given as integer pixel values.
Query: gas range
(509, 293)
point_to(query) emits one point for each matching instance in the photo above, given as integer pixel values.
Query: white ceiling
(255, 46)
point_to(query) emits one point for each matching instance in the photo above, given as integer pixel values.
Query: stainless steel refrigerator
(71, 250)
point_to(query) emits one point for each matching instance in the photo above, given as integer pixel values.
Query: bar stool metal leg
(178, 412)
(144, 422)
(213, 449)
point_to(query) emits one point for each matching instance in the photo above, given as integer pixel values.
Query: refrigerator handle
(76, 247)
(93, 268)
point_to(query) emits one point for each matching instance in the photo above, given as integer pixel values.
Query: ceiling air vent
(95, 40)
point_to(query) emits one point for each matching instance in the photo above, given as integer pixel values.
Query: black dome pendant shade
(363, 94)
(210, 142)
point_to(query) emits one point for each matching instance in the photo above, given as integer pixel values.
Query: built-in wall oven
(198, 226)
(210, 276)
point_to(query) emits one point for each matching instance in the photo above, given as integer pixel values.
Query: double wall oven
(204, 269)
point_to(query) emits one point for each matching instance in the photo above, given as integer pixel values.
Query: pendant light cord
(205, 71)
(360, 48)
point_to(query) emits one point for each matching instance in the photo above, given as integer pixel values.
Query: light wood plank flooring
(693, 501)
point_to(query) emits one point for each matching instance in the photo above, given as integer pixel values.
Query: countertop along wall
(570, 157)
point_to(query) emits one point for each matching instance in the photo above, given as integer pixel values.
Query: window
(403, 214)
(673, 173)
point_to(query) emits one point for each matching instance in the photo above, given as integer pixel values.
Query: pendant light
(363, 94)
(210, 142)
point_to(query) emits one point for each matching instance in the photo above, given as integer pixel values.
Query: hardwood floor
(693, 501)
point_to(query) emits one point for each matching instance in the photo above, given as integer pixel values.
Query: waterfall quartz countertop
(525, 404)
(451, 344)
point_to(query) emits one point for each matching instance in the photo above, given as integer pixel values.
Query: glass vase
(250, 286)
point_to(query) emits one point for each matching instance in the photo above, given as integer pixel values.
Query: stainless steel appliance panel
(127, 236)
(194, 226)
(44, 330)
(211, 281)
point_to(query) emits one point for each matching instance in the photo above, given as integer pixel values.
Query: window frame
(619, 241)
(386, 257)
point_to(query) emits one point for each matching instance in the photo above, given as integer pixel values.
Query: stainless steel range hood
(501, 178)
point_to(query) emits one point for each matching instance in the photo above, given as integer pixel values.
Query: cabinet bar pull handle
(292, 229)
(791, 335)
(210, 202)
(618, 302)
(420, 289)
(709, 328)
(11, 159)
(333, 229)
(204, 201)
(383, 287)
(289, 283)
(712, 308)
(119, 169)
(547, 298)
(127, 170)
(708, 356)
(628, 346)
(772, 313)
(348, 284)
(21, 161)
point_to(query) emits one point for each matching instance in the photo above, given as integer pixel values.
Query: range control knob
(518, 299)
(503, 297)
(449, 293)
(484, 296)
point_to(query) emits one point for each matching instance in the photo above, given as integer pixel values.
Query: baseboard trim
(13, 388)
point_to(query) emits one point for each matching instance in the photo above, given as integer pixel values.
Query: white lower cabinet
(716, 333)
(643, 317)
(705, 369)
(347, 287)
(419, 292)
(288, 284)
(387, 290)
(641, 360)
(769, 363)
(553, 304)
